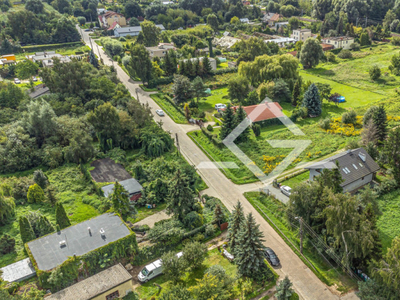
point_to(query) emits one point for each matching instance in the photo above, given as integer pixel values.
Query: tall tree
(311, 53)
(140, 64)
(194, 254)
(238, 88)
(296, 93)
(228, 123)
(133, 9)
(380, 121)
(120, 201)
(182, 89)
(206, 65)
(284, 289)
(392, 150)
(212, 20)
(181, 198)
(151, 33)
(62, 219)
(312, 101)
(26, 230)
(364, 39)
(249, 256)
(331, 179)
(245, 127)
(173, 266)
(198, 88)
(170, 63)
(93, 60)
(218, 215)
(235, 223)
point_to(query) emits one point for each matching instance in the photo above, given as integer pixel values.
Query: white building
(160, 50)
(301, 34)
(245, 20)
(282, 42)
(339, 42)
(132, 31)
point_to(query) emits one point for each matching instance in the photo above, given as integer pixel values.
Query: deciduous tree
(311, 53)
(151, 33)
(194, 254)
(238, 88)
(182, 89)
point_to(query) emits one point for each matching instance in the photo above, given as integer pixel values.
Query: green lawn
(276, 212)
(296, 180)
(207, 104)
(389, 222)
(149, 290)
(63, 50)
(175, 114)
(144, 212)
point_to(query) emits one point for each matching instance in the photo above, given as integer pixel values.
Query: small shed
(208, 91)
(131, 185)
(21, 270)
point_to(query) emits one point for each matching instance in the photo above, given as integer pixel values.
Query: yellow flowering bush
(270, 162)
(337, 127)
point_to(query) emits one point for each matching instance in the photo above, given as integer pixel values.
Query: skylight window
(347, 169)
(344, 170)
(361, 165)
(355, 167)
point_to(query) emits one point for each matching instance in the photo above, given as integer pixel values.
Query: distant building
(301, 34)
(213, 62)
(132, 31)
(273, 19)
(47, 58)
(101, 11)
(282, 42)
(281, 24)
(131, 185)
(108, 18)
(160, 50)
(8, 59)
(244, 20)
(339, 42)
(167, 2)
(226, 42)
(356, 167)
(112, 283)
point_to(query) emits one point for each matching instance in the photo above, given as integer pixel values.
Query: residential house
(132, 31)
(160, 50)
(356, 167)
(278, 25)
(301, 34)
(112, 283)
(49, 63)
(282, 41)
(8, 59)
(108, 18)
(212, 61)
(131, 185)
(101, 11)
(273, 19)
(47, 58)
(326, 47)
(343, 42)
(244, 20)
(226, 42)
(262, 113)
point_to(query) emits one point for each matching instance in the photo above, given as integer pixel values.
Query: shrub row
(41, 48)
(213, 138)
(160, 81)
(224, 71)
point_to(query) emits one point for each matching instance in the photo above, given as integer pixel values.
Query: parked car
(34, 78)
(152, 270)
(271, 257)
(86, 30)
(160, 112)
(287, 191)
(220, 106)
(17, 81)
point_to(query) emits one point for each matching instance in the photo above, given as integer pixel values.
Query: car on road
(220, 106)
(86, 30)
(160, 112)
(271, 257)
(287, 191)
(17, 81)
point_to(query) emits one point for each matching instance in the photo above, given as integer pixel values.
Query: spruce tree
(218, 215)
(44, 226)
(235, 223)
(284, 289)
(181, 199)
(182, 67)
(296, 93)
(312, 101)
(249, 255)
(26, 230)
(228, 123)
(239, 117)
(61, 216)
(189, 68)
(120, 200)
(380, 120)
(93, 60)
(206, 66)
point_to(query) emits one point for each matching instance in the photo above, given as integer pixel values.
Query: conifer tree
(218, 215)
(380, 120)
(61, 216)
(182, 67)
(26, 230)
(198, 88)
(249, 257)
(7, 206)
(44, 226)
(189, 68)
(40, 178)
(296, 93)
(93, 60)
(312, 100)
(364, 39)
(284, 289)
(235, 223)
(120, 200)
(228, 123)
(181, 198)
(198, 67)
(239, 117)
(206, 66)
(35, 194)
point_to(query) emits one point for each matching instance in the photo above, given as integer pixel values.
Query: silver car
(287, 191)
(160, 112)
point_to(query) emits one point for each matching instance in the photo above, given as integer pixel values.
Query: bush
(330, 57)
(202, 115)
(355, 47)
(35, 194)
(385, 187)
(256, 129)
(349, 117)
(224, 71)
(374, 73)
(345, 54)
(325, 123)
(209, 127)
(7, 244)
(396, 41)
(153, 83)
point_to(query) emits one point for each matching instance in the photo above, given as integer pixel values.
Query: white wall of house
(314, 173)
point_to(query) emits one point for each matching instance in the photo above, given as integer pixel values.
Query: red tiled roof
(110, 14)
(113, 25)
(326, 47)
(269, 111)
(275, 17)
(294, 53)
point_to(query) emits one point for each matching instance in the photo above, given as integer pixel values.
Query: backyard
(389, 221)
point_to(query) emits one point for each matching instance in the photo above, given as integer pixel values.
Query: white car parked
(220, 106)
(160, 112)
(17, 81)
(287, 191)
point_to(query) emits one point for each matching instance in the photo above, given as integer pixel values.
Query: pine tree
(228, 123)
(189, 68)
(380, 120)
(93, 60)
(284, 289)
(239, 117)
(249, 256)
(61, 216)
(312, 101)
(364, 39)
(235, 223)
(181, 198)
(26, 230)
(218, 215)
(44, 226)
(35, 194)
(296, 93)
(120, 200)
(182, 67)
(206, 66)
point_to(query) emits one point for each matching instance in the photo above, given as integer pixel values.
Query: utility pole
(301, 233)
(177, 142)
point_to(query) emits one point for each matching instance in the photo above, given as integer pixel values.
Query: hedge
(224, 71)
(336, 51)
(213, 138)
(41, 48)
(153, 83)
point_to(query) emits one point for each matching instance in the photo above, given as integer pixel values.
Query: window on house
(344, 170)
(361, 165)
(112, 296)
(355, 167)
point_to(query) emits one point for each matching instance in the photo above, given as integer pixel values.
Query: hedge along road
(305, 282)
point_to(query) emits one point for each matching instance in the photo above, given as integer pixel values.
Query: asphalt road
(306, 284)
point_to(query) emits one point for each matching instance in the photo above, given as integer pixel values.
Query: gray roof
(18, 271)
(134, 29)
(94, 285)
(49, 254)
(353, 165)
(131, 185)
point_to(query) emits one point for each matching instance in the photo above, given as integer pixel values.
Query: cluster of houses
(47, 58)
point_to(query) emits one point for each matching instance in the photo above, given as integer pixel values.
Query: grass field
(389, 222)
(296, 180)
(276, 212)
(149, 290)
(207, 104)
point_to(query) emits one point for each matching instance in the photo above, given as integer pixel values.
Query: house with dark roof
(112, 283)
(131, 185)
(356, 167)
